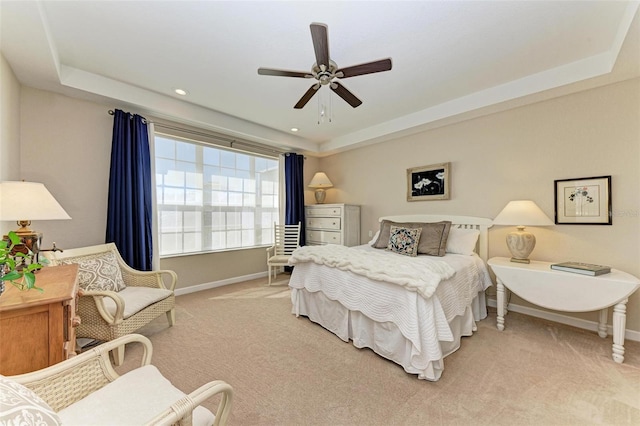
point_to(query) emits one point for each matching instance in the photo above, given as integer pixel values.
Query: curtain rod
(223, 138)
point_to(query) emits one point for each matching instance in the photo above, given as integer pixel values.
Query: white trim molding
(564, 319)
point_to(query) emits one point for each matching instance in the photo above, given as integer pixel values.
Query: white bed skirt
(385, 339)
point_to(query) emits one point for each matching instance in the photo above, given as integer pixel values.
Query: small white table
(537, 283)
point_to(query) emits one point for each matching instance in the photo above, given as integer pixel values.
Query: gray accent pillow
(433, 238)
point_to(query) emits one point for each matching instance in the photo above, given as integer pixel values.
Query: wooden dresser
(37, 329)
(332, 224)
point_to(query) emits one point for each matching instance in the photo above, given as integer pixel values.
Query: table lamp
(320, 182)
(27, 201)
(521, 213)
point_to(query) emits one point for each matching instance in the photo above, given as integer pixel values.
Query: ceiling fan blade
(345, 94)
(367, 68)
(284, 73)
(308, 95)
(320, 43)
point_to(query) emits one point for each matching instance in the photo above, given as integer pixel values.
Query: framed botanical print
(428, 182)
(583, 201)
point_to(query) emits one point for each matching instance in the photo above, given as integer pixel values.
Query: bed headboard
(482, 224)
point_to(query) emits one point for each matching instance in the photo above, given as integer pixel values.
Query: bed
(413, 313)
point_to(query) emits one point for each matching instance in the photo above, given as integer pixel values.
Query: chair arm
(97, 296)
(164, 279)
(271, 251)
(185, 406)
(66, 382)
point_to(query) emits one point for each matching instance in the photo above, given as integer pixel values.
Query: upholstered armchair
(86, 390)
(115, 299)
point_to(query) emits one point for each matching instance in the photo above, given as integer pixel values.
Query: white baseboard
(214, 284)
(564, 319)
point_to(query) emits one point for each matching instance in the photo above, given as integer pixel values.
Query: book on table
(581, 268)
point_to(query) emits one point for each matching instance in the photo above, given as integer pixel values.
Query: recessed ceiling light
(294, 129)
(181, 92)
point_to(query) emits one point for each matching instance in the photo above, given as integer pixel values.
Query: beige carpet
(290, 371)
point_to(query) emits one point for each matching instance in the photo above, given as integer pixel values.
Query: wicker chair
(108, 313)
(286, 240)
(85, 389)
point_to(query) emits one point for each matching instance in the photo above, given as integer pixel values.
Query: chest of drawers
(332, 224)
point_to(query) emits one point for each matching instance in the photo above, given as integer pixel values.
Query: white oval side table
(563, 291)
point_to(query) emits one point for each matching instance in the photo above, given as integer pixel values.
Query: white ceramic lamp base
(521, 243)
(320, 195)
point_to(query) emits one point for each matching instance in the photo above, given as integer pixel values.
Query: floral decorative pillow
(97, 271)
(404, 240)
(21, 406)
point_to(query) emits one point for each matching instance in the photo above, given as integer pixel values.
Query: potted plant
(19, 273)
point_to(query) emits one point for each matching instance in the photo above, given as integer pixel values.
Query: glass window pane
(173, 196)
(248, 238)
(218, 240)
(249, 200)
(186, 151)
(243, 162)
(192, 242)
(218, 198)
(212, 198)
(228, 159)
(235, 184)
(234, 220)
(193, 197)
(211, 156)
(171, 243)
(235, 199)
(164, 147)
(174, 178)
(218, 221)
(234, 239)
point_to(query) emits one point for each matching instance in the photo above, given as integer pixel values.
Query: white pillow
(21, 406)
(462, 241)
(375, 238)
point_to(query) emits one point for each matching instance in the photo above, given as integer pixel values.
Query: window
(212, 198)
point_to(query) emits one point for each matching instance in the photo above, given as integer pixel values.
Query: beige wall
(517, 154)
(9, 123)
(66, 144)
(9, 129)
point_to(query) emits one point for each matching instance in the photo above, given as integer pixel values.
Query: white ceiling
(451, 59)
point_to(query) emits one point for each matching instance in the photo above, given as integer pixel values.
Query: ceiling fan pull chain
(330, 107)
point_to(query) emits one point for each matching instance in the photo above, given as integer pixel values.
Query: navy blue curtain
(294, 191)
(129, 210)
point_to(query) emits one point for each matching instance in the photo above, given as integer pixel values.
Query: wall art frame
(583, 201)
(429, 182)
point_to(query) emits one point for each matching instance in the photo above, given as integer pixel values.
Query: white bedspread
(421, 274)
(423, 321)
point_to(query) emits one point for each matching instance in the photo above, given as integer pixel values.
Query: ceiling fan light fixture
(324, 70)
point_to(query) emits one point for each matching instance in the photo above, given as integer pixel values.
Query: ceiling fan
(325, 70)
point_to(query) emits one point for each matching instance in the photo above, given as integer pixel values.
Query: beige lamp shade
(521, 213)
(320, 182)
(26, 201)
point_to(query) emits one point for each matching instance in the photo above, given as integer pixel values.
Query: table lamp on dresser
(26, 201)
(320, 182)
